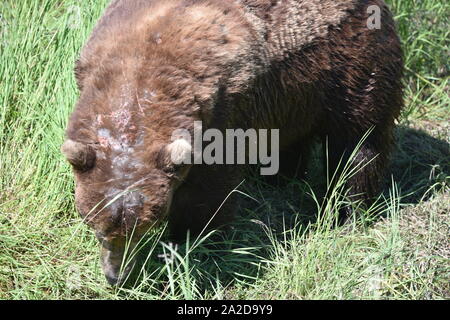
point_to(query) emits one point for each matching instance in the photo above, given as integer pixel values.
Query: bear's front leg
(364, 171)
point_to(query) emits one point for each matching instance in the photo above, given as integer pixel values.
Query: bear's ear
(179, 152)
(173, 155)
(81, 156)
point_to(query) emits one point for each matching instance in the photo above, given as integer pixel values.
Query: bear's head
(127, 162)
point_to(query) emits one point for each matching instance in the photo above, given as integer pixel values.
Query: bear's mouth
(117, 262)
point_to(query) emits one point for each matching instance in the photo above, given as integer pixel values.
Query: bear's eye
(177, 171)
(172, 169)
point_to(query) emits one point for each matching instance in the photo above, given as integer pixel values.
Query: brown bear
(309, 68)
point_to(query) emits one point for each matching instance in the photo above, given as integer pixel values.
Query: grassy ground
(277, 249)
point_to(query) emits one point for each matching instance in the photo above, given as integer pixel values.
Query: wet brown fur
(311, 68)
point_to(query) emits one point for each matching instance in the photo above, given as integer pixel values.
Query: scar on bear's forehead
(104, 137)
(121, 118)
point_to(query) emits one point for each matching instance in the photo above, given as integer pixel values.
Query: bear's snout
(115, 264)
(123, 210)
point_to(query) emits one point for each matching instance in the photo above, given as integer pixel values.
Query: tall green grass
(277, 249)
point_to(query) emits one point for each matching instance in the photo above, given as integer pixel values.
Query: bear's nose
(112, 279)
(132, 200)
(125, 208)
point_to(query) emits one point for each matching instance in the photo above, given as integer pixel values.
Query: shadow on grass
(420, 165)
